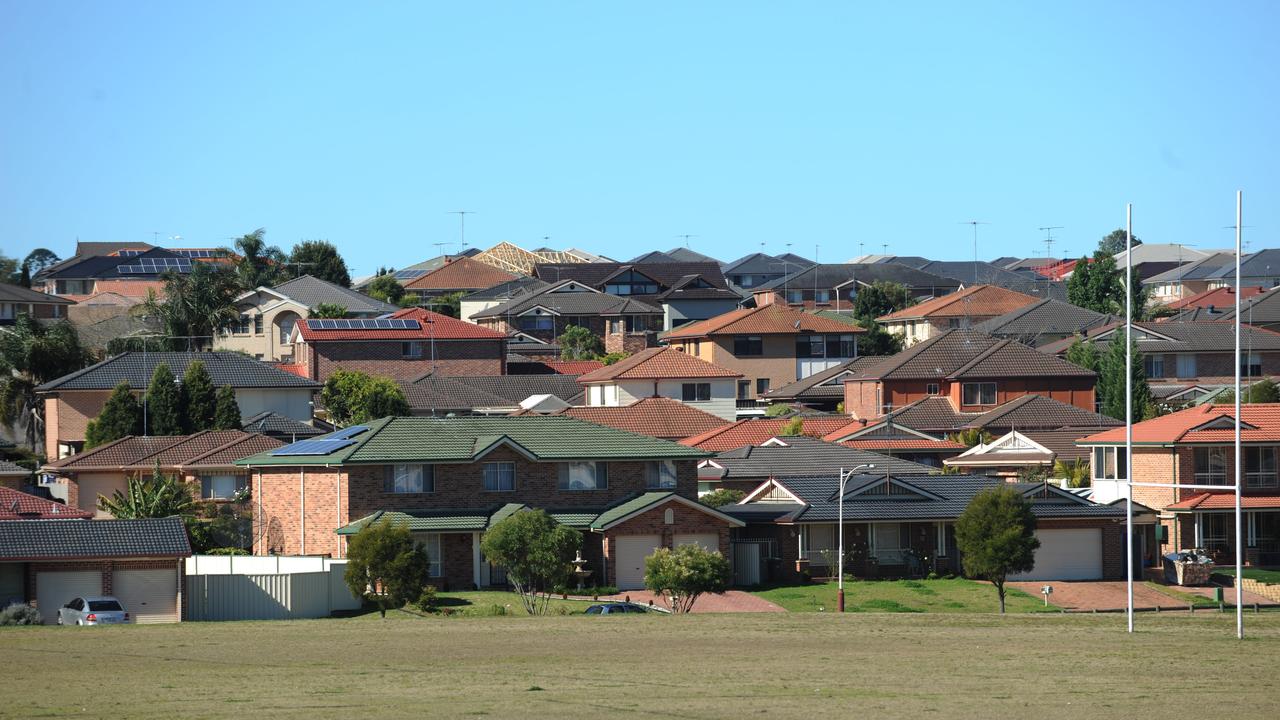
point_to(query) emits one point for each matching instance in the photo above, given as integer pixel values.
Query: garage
(57, 588)
(149, 596)
(630, 552)
(1067, 554)
(706, 541)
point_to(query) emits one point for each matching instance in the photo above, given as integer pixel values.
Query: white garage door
(149, 596)
(55, 589)
(706, 541)
(1074, 554)
(629, 563)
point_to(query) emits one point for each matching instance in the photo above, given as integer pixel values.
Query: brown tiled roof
(963, 353)
(462, 273)
(657, 363)
(1175, 337)
(1038, 411)
(931, 414)
(754, 431)
(773, 319)
(119, 453)
(16, 505)
(658, 417)
(226, 455)
(171, 451)
(904, 444)
(812, 387)
(979, 300)
(193, 446)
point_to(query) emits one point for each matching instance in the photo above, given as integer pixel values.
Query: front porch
(1214, 531)
(897, 549)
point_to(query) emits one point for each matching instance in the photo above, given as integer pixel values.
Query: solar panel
(154, 266)
(200, 253)
(130, 253)
(408, 274)
(349, 432)
(323, 446)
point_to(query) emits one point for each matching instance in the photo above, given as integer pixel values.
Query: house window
(695, 392)
(1260, 467)
(221, 486)
(629, 324)
(931, 389)
(1214, 531)
(286, 328)
(886, 543)
(762, 386)
(979, 394)
(940, 540)
(411, 350)
(631, 283)
(430, 542)
(1251, 364)
(661, 475)
(748, 346)
(536, 322)
(241, 325)
(584, 476)
(1153, 365)
(953, 323)
(499, 476)
(615, 326)
(1186, 366)
(841, 346)
(795, 296)
(404, 479)
(1211, 465)
(822, 296)
(811, 346)
(257, 324)
(1109, 463)
(744, 389)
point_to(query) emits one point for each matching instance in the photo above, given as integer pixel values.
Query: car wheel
(59, 618)
(80, 622)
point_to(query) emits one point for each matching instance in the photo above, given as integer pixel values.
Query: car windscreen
(104, 606)
(595, 610)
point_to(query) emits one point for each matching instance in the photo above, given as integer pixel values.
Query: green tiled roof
(423, 520)
(639, 502)
(573, 519)
(459, 439)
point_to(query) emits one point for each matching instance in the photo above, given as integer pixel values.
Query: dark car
(616, 608)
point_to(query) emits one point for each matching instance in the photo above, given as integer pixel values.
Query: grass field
(796, 665)
(903, 596)
(1271, 576)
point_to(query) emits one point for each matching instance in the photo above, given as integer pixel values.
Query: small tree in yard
(579, 343)
(386, 566)
(721, 497)
(156, 496)
(685, 574)
(536, 552)
(226, 414)
(120, 416)
(996, 535)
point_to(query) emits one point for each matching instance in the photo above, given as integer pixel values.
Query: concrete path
(733, 601)
(1111, 595)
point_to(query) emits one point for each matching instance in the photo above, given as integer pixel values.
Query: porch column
(1199, 517)
(475, 560)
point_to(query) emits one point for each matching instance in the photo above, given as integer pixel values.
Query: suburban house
(268, 315)
(1151, 259)
(1218, 269)
(71, 401)
(1173, 351)
(1043, 322)
(973, 371)
(1007, 456)
(623, 324)
(744, 468)
(1216, 300)
(18, 505)
(438, 395)
(823, 390)
(905, 524)
(971, 273)
(417, 269)
(491, 297)
(279, 427)
(770, 346)
(449, 479)
(888, 437)
(962, 309)
(47, 563)
(127, 272)
(1262, 310)
(658, 417)
(205, 460)
(461, 274)
(685, 291)
(752, 271)
(16, 300)
(664, 372)
(835, 285)
(1197, 446)
(402, 346)
(12, 475)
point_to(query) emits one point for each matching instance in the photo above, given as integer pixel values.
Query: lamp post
(844, 478)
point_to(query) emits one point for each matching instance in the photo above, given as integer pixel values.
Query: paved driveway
(733, 601)
(1111, 595)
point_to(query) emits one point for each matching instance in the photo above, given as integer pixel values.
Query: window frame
(748, 346)
(933, 389)
(411, 349)
(600, 476)
(1256, 478)
(391, 479)
(657, 470)
(762, 386)
(503, 470)
(1203, 460)
(981, 386)
(239, 482)
(700, 392)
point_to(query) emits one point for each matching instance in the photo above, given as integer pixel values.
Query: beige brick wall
(67, 415)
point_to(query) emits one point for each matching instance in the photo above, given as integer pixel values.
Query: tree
(793, 427)
(1263, 391)
(1083, 353)
(613, 357)
(449, 304)
(1075, 472)
(156, 496)
(1113, 242)
(971, 437)
(684, 574)
(226, 412)
(260, 264)
(199, 403)
(877, 341)
(1110, 387)
(196, 306)
(1097, 285)
(32, 354)
(536, 552)
(386, 288)
(8, 270)
(579, 343)
(319, 258)
(386, 566)
(721, 497)
(881, 298)
(121, 416)
(328, 311)
(35, 262)
(778, 409)
(351, 396)
(996, 535)
(163, 412)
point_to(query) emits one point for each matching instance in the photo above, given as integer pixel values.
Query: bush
(722, 497)
(684, 574)
(777, 410)
(536, 551)
(385, 566)
(19, 614)
(427, 600)
(226, 551)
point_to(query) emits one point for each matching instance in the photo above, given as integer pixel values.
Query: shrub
(996, 536)
(385, 566)
(777, 410)
(684, 574)
(19, 614)
(427, 599)
(536, 551)
(722, 497)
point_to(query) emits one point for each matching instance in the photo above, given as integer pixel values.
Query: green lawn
(1271, 576)
(1182, 597)
(903, 596)
(791, 665)
(490, 603)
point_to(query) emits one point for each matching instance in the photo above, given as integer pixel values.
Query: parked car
(616, 608)
(104, 610)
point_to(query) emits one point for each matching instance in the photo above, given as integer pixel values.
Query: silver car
(103, 610)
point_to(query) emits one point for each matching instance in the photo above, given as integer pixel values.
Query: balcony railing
(749, 404)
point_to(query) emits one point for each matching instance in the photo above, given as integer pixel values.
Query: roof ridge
(245, 436)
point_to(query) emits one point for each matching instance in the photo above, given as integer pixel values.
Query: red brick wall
(686, 520)
(67, 415)
(863, 399)
(453, 357)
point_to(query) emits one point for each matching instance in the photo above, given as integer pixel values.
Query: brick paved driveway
(733, 601)
(1110, 595)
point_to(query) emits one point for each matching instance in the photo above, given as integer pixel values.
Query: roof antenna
(462, 224)
(1048, 252)
(975, 224)
(686, 239)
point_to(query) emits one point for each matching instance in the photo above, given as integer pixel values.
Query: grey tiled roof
(1038, 411)
(73, 539)
(311, 291)
(19, 294)
(1263, 308)
(508, 290)
(988, 274)
(269, 423)
(686, 255)
(757, 264)
(803, 456)
(1048, 317)
(8, 468)
(812, 388)
(830, 275)
(595, 275)
(487, 391)
(965, 353)
(1182, 337)
(225, 368)
(653, 256)
(571, 303)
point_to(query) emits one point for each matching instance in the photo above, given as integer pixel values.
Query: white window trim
(500, 466)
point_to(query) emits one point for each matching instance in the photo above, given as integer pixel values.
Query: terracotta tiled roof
(654, 416)
(119, 453)
(461, 274)
(979, 300)
(431, 326)
(16, 505)
(1261, 423)
(657, 363)
(1222, 298)
(1225, 501)
(757, 430)
(774, 319)
(194, 445)
(241, 448)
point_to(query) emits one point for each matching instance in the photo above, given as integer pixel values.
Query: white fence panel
(221, 587)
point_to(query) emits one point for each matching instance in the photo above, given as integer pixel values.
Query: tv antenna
(1048, 239)
(975, 224)
(686, 239)
(462, 224)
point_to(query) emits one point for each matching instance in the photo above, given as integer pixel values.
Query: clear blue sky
(616, 129)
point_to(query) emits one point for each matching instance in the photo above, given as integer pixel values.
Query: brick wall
(685, 520)
(777, 363)
(1113, 533)
(629, 343)
(106, 567)
(68, 413)
(452, 357)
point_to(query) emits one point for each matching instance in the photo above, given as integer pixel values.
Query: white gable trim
(534, 311)
(765, 488)
(570, 286)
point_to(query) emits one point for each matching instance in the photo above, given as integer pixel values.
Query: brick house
(684, 291)
(663, 372)
(836, 285)
(623, 324)
(961, 309)
(1197, 446)
(770, 346)
(402, 346)
(1189, 351)
(1043, 322)
(16, 300)
(657, 416)
(974, 372)
(905, 524)
(457, 274)
(449, 479)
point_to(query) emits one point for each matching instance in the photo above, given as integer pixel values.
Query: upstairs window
(822, 296)
(811, 346)
(841, 346)
(695, 392)
(1251, 364)
(1260, 467)
(536, 322)
(584, 476)
(241, 325)
(631, 283)
(931, 389)
(795, 296)
(499, 476)
(748, 346)
(661, 475)
(257, 324)
(411, 350)
(1153, 365)
(1109, 463)
(979, 394)
(1211, 465)
(408, 479)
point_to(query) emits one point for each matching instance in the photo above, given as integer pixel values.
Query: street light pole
(844, 478)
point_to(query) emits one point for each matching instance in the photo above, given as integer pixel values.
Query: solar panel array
(155, 266)
(365, 324)
(408, 274)
(130, 253)
(347, 433)
(197, 253)
(323, 446)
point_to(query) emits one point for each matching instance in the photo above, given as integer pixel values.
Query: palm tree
(149, 497)
(30, 355)
(260, 265)
(196, 306)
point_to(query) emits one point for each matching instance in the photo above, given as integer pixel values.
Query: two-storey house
(685, 291)
(16, 300)
(623, 323)
(962, 309)
(664, 372)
